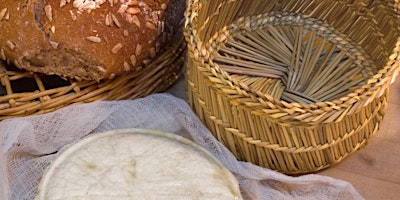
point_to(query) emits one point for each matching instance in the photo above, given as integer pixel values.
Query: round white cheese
(137, 164)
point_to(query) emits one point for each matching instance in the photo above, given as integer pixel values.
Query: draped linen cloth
(29, 144)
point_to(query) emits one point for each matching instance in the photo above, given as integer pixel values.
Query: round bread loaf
(86, 39)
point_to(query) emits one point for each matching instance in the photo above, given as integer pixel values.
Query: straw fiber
(29, 93)
(294, 86)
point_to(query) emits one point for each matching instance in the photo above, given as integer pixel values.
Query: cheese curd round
(137, 164)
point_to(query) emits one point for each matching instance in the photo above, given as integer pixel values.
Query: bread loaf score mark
(87, 39)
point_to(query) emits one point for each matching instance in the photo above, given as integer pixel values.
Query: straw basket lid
(132, 163)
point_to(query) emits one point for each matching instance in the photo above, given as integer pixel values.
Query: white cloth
(29, 144)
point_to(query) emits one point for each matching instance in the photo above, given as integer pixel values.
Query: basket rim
(373, 88)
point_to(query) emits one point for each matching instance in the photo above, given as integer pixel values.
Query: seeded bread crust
(86, 39)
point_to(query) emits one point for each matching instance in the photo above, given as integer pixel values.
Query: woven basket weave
(29, 93)
(294, 86)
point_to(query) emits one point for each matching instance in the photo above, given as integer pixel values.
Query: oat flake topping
(83, 4)
(93, 4)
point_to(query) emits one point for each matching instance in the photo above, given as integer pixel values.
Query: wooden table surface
(374, 170)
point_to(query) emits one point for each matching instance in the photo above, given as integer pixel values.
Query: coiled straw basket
(27, 93)
(294, 86)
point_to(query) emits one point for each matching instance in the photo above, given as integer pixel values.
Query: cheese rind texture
(137, 166)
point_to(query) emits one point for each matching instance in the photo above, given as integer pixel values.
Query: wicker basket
(294, 86)
(27, 93)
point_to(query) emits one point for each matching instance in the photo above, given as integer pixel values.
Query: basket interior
(294, 63)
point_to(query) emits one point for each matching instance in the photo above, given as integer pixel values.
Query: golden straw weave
(29, 93)
(294, 86)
